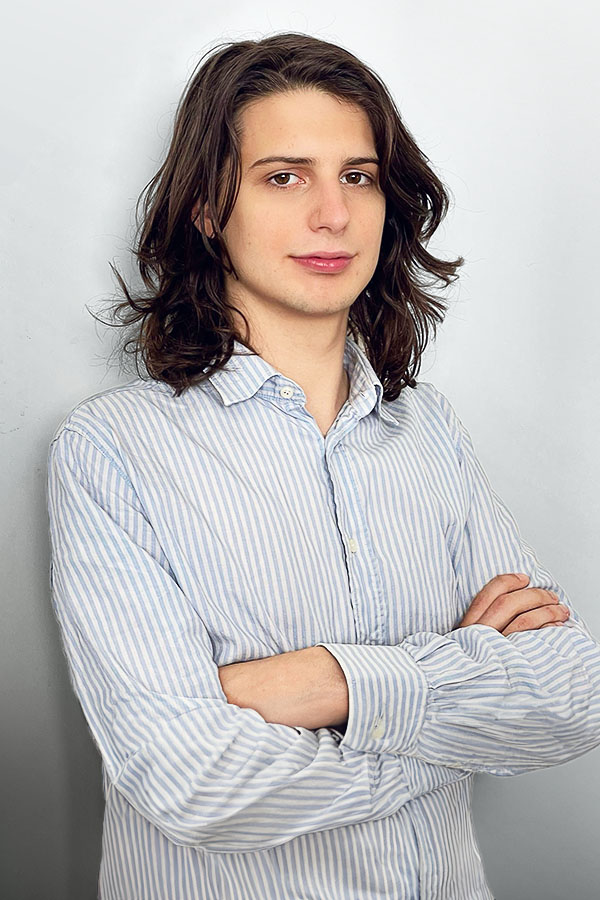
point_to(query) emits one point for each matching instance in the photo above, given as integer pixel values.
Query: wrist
(333, 688)
(303, 688)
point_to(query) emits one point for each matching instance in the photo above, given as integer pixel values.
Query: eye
(286, 175)
(283, 179)
(359, 175)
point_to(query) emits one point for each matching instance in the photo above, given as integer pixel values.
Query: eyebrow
(310, 161)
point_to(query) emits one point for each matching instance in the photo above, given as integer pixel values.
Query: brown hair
(184, 325)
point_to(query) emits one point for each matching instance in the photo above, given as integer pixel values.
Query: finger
(506, 607)
(500, 584)
(538, 618)
(518, 602)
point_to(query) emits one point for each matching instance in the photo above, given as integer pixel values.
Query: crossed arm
(308, 687)
(420, 715)
(301, 688)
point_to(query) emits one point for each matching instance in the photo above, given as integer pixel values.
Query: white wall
(502, 97)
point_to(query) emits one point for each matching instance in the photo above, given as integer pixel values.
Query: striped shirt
(221, 526)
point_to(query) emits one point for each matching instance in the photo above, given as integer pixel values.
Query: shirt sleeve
(474, 698)
(206, 773)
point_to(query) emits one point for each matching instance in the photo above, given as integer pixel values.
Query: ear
(197, 211)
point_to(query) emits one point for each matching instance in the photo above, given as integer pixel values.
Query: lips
(325, 264)
(326, 254)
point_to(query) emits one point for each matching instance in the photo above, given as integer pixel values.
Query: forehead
(306, 122)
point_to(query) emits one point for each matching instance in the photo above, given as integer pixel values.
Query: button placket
(364, 582)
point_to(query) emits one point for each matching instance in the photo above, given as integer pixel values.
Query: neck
(315, 361)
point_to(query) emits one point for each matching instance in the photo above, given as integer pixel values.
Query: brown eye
(356, 176)
(282, 179)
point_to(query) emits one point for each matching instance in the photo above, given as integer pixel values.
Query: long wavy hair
(180, 325)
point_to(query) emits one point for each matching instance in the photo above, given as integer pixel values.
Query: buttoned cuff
(387, 694)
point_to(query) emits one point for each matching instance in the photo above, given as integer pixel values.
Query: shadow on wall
(82, 797)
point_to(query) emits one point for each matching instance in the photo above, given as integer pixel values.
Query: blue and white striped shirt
(221, 526)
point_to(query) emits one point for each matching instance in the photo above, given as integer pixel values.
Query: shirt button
(353, 545)
(378, 729)
(286, 391)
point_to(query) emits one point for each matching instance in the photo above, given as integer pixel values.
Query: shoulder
(432, 413)
(100, 409)
(428, 398)
(108, 419)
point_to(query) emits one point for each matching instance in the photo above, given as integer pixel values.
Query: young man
(297, 617)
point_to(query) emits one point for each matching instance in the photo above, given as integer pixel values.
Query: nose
(329, 208)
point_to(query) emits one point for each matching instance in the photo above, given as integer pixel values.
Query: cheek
(254, 231)
(371, 217)
(379, 218)
(257, 247)
(372, 229)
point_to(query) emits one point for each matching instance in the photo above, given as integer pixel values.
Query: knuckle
(558, 613)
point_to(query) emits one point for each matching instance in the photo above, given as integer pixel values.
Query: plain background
(502, 98)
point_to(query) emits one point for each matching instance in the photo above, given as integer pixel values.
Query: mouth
(320, 264)
(325, 254)
(325, 262)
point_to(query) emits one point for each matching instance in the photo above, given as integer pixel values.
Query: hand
(507, 606)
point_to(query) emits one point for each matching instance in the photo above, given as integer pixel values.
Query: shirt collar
(245, 374)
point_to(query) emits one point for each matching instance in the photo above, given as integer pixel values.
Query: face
(323, 199)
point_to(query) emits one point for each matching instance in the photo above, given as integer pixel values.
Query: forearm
(475, 699)
(303, 688)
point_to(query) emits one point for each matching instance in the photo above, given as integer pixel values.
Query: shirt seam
(77, 429)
